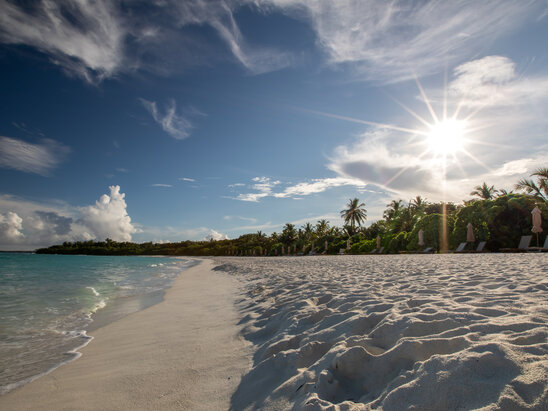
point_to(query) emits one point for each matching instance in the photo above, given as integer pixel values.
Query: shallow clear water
(47, 303)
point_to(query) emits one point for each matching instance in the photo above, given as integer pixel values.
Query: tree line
(498, 216)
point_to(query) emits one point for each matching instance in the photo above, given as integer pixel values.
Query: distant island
(498, 217)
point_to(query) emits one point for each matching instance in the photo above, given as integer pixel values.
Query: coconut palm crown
(355, 213)
(538, 189)
(484, 191)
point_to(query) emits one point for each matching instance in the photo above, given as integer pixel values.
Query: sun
(446, 137)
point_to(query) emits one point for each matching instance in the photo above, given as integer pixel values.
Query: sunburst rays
(444, 137)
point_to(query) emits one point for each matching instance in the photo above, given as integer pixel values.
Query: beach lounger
(342, 251)
(522, 247)
(381, 250)
(373, 251)
(543, 248)
(479, 248)
(428, 250)
(460, 248)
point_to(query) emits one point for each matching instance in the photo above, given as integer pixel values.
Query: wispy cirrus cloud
(161, 185)
(265, 187)
(31, 158)
(237, 217)
(220, 16)
(191, 180)
(100, 39)
(85, 38)
(177, 125)
(392, 41)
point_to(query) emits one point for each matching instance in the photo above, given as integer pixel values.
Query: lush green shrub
(432, 226)
(475, 214)
(366, 246)
(397, 243)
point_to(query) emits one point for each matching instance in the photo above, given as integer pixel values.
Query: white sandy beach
(183, 353)
(424, 332)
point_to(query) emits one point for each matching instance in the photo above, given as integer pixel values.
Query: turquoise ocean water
(48, 302)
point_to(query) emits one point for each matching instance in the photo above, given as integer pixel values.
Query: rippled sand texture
(433, 332)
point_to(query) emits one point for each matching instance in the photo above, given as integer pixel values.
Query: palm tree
(392, 210)
(355, 213)
(538, 189)
(289, 234)
(418, 203)
(503, 192)
(484, 191)
(322, 228)
(308, 230)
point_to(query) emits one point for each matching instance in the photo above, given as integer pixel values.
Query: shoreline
(101, 315)
(154, 350)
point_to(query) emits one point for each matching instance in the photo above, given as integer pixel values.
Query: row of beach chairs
(479, 248)
(523, 246)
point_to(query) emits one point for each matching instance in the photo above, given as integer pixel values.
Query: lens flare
(446, 137)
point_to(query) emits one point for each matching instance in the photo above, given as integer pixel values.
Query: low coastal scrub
(499, 218)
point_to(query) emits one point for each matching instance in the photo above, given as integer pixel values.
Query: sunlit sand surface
(431, 332)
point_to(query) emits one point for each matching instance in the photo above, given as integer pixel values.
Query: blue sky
(184, 120)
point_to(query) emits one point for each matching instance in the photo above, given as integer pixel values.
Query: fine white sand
(183, 353)
(423, 332)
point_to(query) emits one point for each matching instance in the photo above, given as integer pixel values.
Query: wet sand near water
(183, 353)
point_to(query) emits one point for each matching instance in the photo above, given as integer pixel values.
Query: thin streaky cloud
(161, 185)
(187, 179)
(387, 42)
(85, 38)
(39, 158)
(265, 187)
(175, 124)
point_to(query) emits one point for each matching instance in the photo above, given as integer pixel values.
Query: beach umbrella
(325, 245)
(470, 233)
(312, 248)
(378, 241)
(348, 244)
(421, 237)
(537, 222)
(295, 249)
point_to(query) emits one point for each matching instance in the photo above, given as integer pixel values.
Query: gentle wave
(47, 303)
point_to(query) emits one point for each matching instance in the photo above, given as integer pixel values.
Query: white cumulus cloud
(108, 217)
(10, 227)
(215, 236)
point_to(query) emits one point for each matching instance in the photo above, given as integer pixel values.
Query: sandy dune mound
(431, 332)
